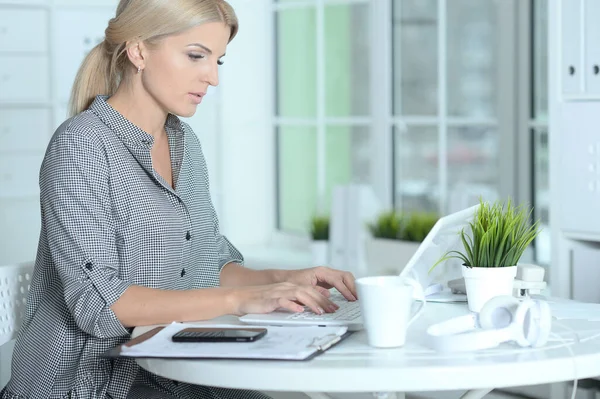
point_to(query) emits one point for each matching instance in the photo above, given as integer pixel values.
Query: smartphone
(199, 334)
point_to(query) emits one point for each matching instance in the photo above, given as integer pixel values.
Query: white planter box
(320, 252)
(387, 256)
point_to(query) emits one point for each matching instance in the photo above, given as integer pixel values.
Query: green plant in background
(417, 225)
(395, 225)
(500, 235)
(319, 229)
(387, 225)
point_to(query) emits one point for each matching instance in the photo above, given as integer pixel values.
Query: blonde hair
(147, 20)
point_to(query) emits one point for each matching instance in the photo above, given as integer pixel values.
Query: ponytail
(147, 20)
(93, 78)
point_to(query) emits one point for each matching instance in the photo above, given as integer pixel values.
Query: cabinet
(580, 53)
(574, 116)
(580, 56)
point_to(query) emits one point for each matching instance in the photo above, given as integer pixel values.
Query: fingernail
(321, 311)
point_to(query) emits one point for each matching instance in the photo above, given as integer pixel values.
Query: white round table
(352, 366)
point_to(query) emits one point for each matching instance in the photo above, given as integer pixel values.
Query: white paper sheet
(288, 343)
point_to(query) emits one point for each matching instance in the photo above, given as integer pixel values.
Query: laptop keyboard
(347, 311)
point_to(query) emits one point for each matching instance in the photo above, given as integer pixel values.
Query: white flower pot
(484, 283)
(320, 252)
(388, 257)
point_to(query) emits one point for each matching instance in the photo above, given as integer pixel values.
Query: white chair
(15, 281)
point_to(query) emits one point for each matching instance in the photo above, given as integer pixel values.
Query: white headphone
(502, 319)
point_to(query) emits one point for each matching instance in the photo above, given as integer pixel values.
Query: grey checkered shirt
(110, 221)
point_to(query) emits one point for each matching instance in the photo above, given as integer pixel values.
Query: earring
(139, 69)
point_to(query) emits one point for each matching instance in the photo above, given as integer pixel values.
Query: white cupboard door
(592, 47)
(19, 175)
(24, 79)
(571, 63)
(24, 130)
(19, 37)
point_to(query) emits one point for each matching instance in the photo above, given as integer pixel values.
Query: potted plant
(395, 237)
(319, 231)
(497, 237)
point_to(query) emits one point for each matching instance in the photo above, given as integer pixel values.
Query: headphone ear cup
(526, 324)
(498, 312)
(537, 323)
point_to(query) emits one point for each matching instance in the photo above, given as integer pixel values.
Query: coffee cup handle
(420, 296)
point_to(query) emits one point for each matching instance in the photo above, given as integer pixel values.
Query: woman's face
(179, 69)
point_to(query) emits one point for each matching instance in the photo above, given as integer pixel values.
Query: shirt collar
(127, 130)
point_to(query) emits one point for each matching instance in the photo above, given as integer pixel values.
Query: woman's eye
(196, 56)
(220, 62)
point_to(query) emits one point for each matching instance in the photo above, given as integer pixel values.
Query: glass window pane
(347, 60)
(473, 166)
(472, 58)
(297, 177)
(296, 62)
(540, 59)
(415, 57)
(416, 168)
(347, 159)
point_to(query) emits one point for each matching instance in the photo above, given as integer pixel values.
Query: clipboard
(296, 343)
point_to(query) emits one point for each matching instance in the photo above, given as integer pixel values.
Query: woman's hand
(286, 295)
(326, 278)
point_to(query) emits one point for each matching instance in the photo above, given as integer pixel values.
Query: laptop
(444, 236)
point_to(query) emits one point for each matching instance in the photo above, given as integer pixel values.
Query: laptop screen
(443, 237)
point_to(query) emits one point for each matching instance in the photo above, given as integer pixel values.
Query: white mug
(385, 305)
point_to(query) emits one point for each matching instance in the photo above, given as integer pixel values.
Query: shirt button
(182, 272)
(188, 236)
(89, 266)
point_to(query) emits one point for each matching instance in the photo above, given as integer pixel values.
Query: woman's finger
(288, 304)
(323, 291)
(340, 283)
(310, 298)
(324, 302)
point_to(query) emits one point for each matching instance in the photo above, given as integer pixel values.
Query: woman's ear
(136, 52)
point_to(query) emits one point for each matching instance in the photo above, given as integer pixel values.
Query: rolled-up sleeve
(77, 215)
(227, 252)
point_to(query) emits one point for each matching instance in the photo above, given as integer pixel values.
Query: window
(322, 124)
(429, 101)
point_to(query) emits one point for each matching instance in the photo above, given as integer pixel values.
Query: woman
(129, 235)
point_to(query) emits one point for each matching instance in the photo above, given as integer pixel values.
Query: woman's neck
(136, 104)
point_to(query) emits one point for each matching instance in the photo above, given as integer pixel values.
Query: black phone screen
(199, 334)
